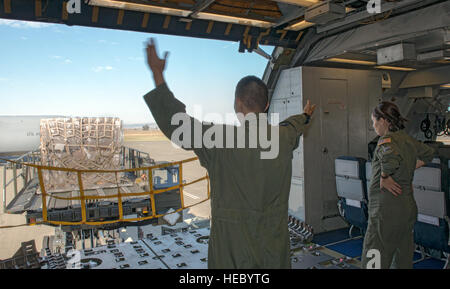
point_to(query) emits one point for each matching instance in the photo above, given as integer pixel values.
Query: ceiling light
(351, 61)
(299, 25)
(232, 19)
(395, 68)
(304, 3)
(442, 61)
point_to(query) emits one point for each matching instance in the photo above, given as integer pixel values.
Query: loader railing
(83, 198)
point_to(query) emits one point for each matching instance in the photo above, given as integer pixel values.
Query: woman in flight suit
(392, 208)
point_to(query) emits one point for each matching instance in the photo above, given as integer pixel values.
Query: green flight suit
(249, 195)
(391, 218)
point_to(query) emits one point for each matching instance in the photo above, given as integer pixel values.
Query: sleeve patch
(384, 141)
(387, 150)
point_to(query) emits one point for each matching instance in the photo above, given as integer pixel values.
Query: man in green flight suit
(249, 194)
(392, 208)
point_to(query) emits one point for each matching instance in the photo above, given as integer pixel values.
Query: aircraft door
(334, 138)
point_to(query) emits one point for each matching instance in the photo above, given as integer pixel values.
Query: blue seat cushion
(431, 236)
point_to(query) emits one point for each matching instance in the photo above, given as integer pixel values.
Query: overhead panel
(420, 92)
(387, 7)
(399, 29)
(396, 53)
(178, 12)
(139, 7)
(325, 12)
(251, 22)
(429, 77)
(434, 55)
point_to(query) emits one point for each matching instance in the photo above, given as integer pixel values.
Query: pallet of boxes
(87, 143)
(93, 144)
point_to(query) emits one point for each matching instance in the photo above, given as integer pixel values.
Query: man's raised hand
(156, 64)
(309, 109)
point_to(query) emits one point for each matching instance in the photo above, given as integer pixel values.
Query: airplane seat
(431, 192)
(352, 191)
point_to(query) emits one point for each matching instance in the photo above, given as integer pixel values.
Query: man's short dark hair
(252, 91)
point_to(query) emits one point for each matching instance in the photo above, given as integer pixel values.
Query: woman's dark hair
(390, 112)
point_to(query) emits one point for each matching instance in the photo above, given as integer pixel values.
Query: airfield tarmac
(152, 142)
(11, 238)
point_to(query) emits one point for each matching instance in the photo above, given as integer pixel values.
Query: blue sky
(51, 69)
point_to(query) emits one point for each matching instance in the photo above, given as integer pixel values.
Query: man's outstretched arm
(296, 124)
(161, 101)
(156, 64)
(164, 106)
